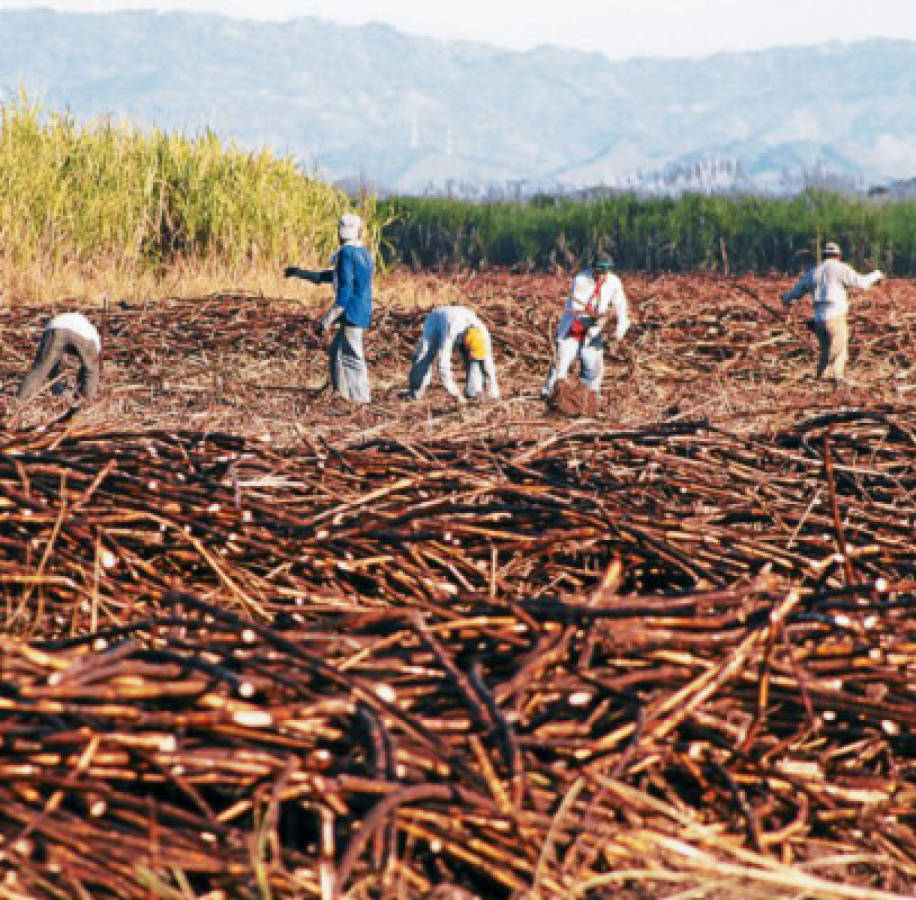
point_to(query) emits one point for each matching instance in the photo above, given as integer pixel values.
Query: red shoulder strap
(596, 295)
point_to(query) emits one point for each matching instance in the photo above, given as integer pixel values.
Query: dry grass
(89, 284)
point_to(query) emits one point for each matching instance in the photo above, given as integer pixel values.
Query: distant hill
(413, 114)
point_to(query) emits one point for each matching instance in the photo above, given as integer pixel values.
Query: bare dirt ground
(258, 643)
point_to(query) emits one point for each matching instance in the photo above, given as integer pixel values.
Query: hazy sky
(617, 28)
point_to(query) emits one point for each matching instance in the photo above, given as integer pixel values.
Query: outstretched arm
(323, 276)
(863, 282)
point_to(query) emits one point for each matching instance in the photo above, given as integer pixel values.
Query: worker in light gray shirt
(593, 292)
(828, 283)
(67, 333)
(444, 330)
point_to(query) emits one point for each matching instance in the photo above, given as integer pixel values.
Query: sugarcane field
(656, 640)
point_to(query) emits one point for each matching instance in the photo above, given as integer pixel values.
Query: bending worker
(69, 333)
(351, 275)
(444, 329)
(827, 283)
(594, 291)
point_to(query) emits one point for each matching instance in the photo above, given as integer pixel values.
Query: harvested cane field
(260, 645)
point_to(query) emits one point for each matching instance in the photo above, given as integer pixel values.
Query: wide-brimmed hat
(604, 262)
(832, 248)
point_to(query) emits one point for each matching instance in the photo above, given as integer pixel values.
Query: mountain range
(372, 105)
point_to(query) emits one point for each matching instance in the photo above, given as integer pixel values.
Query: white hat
(349, 226)
(832, 248)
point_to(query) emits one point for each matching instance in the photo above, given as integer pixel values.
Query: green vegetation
(715, 233)
(85, 194)
(109, 195)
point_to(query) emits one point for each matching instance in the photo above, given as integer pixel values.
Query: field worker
(444, 329)
(351, 275)
(594, 291)
(827, 283)
(67, 333)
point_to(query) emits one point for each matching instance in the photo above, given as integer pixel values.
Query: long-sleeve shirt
(442, 328)
(352, 280)
(828, 283)
(351, 276)
(79, 324)
(587, 305)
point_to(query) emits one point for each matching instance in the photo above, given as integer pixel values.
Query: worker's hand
(320, 331)
(879, 275)
(461, 400)
(621, 330)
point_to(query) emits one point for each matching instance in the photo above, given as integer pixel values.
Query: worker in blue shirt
(351, 275)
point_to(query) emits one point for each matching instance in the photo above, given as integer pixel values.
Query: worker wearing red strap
(579, 333)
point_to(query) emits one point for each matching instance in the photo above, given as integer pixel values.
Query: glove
(879, 275)
(621, 330)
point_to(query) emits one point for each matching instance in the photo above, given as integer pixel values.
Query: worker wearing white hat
(351, 275)
(579, 332)
(828, 283)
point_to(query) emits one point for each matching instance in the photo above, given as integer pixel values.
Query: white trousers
(590, 354)
(421, 369)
